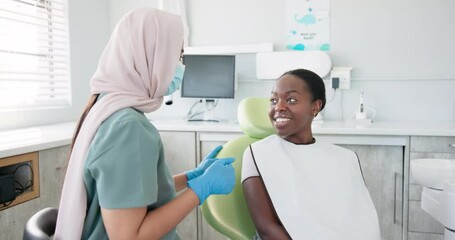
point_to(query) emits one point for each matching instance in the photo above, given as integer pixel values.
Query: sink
(437, 176)
(432, 172)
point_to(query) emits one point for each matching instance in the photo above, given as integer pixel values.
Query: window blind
(34, 55)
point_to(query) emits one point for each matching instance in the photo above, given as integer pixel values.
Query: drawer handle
(395, 195)
(452, 145)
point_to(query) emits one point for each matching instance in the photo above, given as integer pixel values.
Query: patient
(298, 187)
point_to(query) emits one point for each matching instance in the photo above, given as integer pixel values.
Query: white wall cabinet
(421, 225)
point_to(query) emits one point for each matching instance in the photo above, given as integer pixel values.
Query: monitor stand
(209, 111)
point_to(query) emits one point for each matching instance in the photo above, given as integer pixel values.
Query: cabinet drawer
(433, 144)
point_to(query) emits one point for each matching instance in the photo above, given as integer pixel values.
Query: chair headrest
(253, 118)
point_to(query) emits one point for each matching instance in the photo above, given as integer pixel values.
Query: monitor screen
(208, 76)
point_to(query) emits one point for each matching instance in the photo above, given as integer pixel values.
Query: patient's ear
(316, 107)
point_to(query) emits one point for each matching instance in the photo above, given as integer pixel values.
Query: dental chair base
(440, 204)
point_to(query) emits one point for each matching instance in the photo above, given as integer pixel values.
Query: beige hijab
(136, 69)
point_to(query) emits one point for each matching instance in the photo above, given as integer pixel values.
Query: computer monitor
(209, 78)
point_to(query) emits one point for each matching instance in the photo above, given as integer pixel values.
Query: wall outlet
(344, 76)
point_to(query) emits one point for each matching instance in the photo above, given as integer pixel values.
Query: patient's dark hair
(315, 84)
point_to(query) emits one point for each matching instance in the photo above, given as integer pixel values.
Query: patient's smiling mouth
(281, 121)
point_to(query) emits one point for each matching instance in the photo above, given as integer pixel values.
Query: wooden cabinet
(180, 154)
(421, 225)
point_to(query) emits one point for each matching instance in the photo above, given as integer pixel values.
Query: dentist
(118, 185)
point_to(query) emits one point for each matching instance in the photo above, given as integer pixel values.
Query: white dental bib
(317, 190)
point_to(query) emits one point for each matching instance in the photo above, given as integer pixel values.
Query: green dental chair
(229, 214)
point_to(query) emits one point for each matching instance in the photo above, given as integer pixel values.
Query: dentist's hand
(219, 178)
(208, 160)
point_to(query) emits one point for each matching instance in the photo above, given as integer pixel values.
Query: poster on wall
(308, 25)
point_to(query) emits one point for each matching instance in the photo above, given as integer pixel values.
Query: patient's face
(291, 109)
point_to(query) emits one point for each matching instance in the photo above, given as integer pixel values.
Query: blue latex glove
(219, 178)
(208, 160)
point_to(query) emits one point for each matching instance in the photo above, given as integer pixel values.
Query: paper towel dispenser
(271, 65)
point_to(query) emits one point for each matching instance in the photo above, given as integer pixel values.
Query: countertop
(14, 142)
(324, 127)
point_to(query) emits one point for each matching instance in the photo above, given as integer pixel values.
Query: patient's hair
(315, 84)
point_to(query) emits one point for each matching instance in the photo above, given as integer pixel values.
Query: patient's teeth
(282, 119)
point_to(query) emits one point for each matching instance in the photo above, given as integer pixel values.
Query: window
(34, 55)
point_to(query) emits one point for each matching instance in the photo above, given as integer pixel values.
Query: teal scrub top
(125, 168)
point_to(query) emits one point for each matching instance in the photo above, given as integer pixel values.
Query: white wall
(118, 8)
(402, 53)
